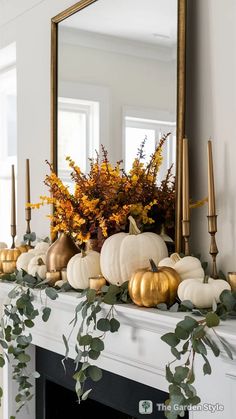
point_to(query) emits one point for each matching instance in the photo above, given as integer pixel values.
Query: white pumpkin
(24, 260)
(187, 267)
(81, 267)
(201, 293)
(37, 265)
(3, 245)
(122, 254)
(41, 248)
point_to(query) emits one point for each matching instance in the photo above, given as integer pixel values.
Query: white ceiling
(150, 21)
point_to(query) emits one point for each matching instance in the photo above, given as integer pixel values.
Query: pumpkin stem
(40, 262)
(83, 253)
(133, 229)
(205, 280)
(153, 265)
(175, 257)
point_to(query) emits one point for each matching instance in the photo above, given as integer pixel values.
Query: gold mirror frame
(181, 81)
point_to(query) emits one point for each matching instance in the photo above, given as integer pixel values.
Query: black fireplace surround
(113, 396)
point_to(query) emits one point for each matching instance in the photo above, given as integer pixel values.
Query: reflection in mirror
(117, 82)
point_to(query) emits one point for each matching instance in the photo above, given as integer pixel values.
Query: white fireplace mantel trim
(135, 352)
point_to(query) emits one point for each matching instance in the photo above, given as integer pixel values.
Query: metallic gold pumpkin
(149, 287)
(9, 255)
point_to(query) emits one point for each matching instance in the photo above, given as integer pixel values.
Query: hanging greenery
(93, 320)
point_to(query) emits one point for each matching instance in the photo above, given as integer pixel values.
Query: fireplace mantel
(135, 351)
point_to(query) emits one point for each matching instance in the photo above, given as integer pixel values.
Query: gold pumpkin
(150, 287)
(9, 255)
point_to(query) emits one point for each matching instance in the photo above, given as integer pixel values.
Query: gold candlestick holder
(28, 219)
(186, 235)
(13, 235)
(212, 229)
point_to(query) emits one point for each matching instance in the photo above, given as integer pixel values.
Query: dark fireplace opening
(62, 403)
(113, 396)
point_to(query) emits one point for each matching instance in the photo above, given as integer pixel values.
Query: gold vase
(60, 252)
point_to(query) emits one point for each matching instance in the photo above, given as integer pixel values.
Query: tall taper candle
(13, 205)
(27, 191)
(185, 181)
(211, 186)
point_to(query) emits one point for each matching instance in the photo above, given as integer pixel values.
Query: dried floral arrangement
(104, 198)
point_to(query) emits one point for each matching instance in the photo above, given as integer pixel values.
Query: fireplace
(114, 396)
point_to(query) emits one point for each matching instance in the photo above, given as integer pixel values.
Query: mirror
(118, 79)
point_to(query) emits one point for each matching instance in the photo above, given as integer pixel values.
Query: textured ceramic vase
(60, 252)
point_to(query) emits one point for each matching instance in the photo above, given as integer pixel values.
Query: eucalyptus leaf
(199, 346)
(46, 313)
(97, 345)
(176, 353)
(174, 308)
(171, 339)
(114, 325)
(85, 340)
(181, 333)
(212, 320)
(51, 293)
(86, 394)
(66, 346)
(212, 344)
(94, 373)
(93, 354)
(103, 325)
(162, 307)
(23, 357)
(206, 366)
(2, 363)
(180, 374)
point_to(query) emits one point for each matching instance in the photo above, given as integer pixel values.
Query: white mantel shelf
(135, 351)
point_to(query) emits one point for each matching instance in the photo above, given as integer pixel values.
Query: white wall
(211, 109)
(28, 23)
(211, 112)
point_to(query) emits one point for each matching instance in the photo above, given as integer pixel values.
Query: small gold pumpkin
(9, 255)
(150, 287)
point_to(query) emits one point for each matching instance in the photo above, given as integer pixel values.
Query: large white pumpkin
(202, 294)
(81, 267)
(187, 267)
(124, 253)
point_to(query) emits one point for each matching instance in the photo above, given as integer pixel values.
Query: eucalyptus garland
(89, 347)
(190, 338)
(17, 320)
(92, 321)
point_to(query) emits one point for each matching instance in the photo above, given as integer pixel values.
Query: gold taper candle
(13, 206)
(27, 191)
(211, 186)
(185, 181)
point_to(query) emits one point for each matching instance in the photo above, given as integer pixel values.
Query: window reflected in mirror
(117, 82)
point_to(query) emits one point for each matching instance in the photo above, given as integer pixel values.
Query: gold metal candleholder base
(186, 235)
(13, 235)
(28, 219)
(212, 229)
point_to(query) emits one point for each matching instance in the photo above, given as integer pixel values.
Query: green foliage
(197, 339)
(18, 317)
(89, 347)
(93, 321)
